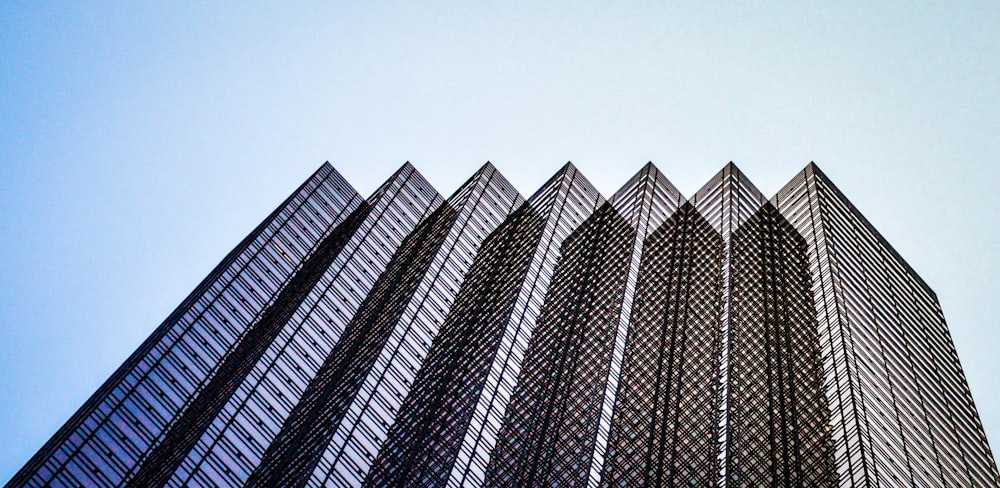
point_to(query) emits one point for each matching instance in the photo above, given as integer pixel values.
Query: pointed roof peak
(484, 171)
(566, 170)
(327, 167)
(732, 168)
(649, 168)
(487, 170)
(798, 180)
(813, 168)
(487, 175)
(405, 168)
(650, 177)
(570, 174)
(408, 173)
(730, 176)
(634, 199)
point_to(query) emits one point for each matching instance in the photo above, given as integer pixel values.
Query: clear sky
(140, 141)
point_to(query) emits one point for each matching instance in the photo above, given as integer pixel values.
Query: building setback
(485, 339)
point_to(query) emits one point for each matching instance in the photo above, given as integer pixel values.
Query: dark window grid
(123, 428)
(201, 481)
(188, 348)
(779, 315)
(73, 475)
(215, 476)
(153, 409)
(114, 438)
(498, 395)
(353, 257)
(395, 398)
(264, 409)
(461, 230)
(93, 464)
(719, 211)
(301, 355)
(276, 261)
(314, 223)
(134, 425)
(638, 309)
(107, 452)
(279, 402)
(238, 445)
(280, 258)
(230, 316)
(294, 247)
(614, 364)
(325, 297)
(445, 347)
(198, 341)
(266, 277)
(587, 233)
(316, 208)
(244, 442)
(322, 319)
(251, 277)
(222, 462)
(303, 224)
(415, 282)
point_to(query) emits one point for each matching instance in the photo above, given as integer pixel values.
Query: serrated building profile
(404, 339)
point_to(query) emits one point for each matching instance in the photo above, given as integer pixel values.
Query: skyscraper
(485, 339)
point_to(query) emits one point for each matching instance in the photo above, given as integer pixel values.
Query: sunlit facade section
(900, 408)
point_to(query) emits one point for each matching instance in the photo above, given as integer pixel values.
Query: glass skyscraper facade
(566, 339)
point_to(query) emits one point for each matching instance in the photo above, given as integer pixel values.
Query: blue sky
(140, 141)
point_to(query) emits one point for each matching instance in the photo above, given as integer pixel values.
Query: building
(407, 339)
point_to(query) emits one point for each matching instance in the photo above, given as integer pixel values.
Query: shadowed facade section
(421, 447)
(481, 205)
(665, 426)
(293, 455)
(548, 434)
(164, 459)
(779, 422)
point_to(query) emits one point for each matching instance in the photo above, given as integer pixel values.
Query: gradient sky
(140, 141)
